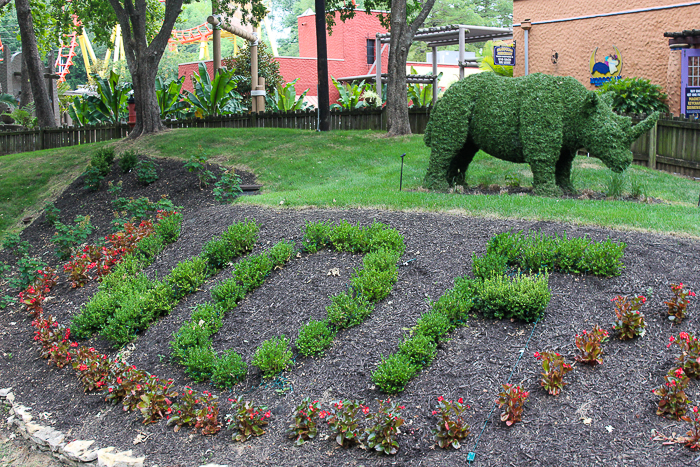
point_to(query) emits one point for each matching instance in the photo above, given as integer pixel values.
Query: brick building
(595, 41)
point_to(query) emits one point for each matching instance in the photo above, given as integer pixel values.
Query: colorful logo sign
(608, 69)
(692, 100)
(504, 55)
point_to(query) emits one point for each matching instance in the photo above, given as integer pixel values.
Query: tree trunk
(401, 39)
(30, 53)
(25, 89)
(143, 58)
(322, 67)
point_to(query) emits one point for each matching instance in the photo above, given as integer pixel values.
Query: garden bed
(614, 398)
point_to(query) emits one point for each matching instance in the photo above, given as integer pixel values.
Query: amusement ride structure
(201, 34)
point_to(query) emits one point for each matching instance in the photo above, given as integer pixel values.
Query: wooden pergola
(456, 34)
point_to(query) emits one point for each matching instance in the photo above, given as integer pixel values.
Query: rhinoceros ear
(590, 101)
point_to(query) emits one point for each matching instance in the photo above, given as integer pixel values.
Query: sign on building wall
(607, 69)
(504, 55)
(690, 81)
(692, 101)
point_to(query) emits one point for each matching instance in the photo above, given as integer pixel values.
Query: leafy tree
(146, 27)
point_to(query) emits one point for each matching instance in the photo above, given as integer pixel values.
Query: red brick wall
(189, 69)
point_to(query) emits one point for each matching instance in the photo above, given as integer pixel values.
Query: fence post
(40, 143)
(254, 119)
(652, 145)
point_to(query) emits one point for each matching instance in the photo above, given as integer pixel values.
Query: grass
(346, 169)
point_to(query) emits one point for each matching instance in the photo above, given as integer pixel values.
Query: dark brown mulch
(472, 364)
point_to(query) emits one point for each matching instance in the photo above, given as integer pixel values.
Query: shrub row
(127, 301)
(383, 247)
(536, 252)
(191, 344)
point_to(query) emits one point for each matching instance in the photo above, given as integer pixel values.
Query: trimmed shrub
(251, 272)
(393, 373)
(347, 237)
(209, 316)
(228, 370)
(419, 349)
(169, 228)
(520, 297)
(273, 356)
(434, 324)
(281, 252)
(314, 338)
(489, 265)
(378, 275)
(316, 236)
(228, 294)
(151, 246)
(190, 335)
(187, 276)
(199, 363)
(347, 310)
(241, 237)
(128, 160)
(146, 171)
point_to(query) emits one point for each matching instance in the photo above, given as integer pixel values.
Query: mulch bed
(477, 359)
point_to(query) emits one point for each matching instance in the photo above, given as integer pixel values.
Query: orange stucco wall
(638, 36)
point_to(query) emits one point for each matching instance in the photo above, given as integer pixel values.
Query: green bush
(227, 188)
(456, 303)
(521, 297)
(316, 236)
(273, 356)
(347, 310)
(51, 213)
(281, 252)
(434, 325)
(92, 315)
(103, 159)
(217, 253)
(199, 363)
(241, 237)
(187, 276)
(128, 160)
(536, 252)
(209, 316)
(347, 237)
(169, 228)
(384, 237)
(489, 265)
(228, 294)
(419, 349)
(393, 373)
(378, 276)
(93, 178)
(634, 95)
(190, 335)
(228, 370)
(151, 246)
(146, 171)
(314, 338)
(67, 237)
(251, 272)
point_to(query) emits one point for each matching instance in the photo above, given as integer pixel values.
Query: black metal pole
(324, 123)
(401, 177)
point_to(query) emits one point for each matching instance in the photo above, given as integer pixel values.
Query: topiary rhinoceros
(538, 119)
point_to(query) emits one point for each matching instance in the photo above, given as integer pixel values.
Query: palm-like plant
(284, 98)
(80, 113)
(217, 96)
(350, 95)
(420, 96)
(110, 103)
(170, 99)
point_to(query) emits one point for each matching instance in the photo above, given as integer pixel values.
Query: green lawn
(361, 169)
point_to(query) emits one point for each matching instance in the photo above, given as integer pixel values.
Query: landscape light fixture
(401, 176)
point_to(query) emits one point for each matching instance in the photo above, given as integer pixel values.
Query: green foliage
(393, 373)
(208, 316)
(200, 363)
(128, 160)
(615, 185)
(350, 95)
(457, 302)
(281, 252)
(103, 159)
(190, 335)
(419, 349)
(521, 297)
(146, 171)
(284, 98)
(273, 356)
(51, 213)
(217, 96)
(316, 236)
(419, 95)
(168, 228)
(635, 95)
(378, 276)
(198, 163)
(15, 245)
(67, 237)
(170, 99)
(151, 246)
(228, 187)
(347, 310)
(92, 178)
(535, 252)
(187, 276)
(489, 265)
(228, 294)
(268, 68)
(110, 103)
(556, 116)
(251, 272)
(433, 325)
(314, 338)
(229, 369)
(238, 239)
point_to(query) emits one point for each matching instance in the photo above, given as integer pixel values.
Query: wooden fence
(676, 140)
(673, 145)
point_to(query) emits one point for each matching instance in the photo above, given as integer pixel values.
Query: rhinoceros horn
(642, 127)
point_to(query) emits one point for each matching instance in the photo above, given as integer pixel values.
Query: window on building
(370, 51)
(694, 71)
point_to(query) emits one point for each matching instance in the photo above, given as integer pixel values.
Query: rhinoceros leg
(563, 171)
(541, 134)
(460, 163)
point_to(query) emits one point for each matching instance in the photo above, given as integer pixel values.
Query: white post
(378, 60)
(461, 52)
(435, 73)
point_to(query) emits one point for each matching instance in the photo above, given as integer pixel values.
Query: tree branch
(173, 8)
(3, 3)
(420, 19)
